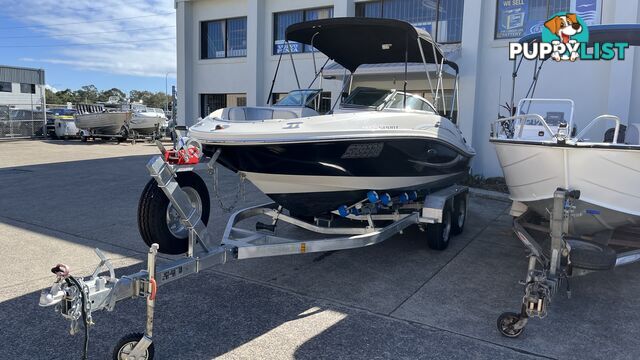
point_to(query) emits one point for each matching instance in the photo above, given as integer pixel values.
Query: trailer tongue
(440, 214)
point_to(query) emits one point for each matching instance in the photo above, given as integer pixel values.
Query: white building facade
(228, 51)
(21, 88)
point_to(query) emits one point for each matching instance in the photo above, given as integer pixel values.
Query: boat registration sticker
(363, 151)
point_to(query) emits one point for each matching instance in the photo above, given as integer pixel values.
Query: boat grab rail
(537, 117)
(578, 138)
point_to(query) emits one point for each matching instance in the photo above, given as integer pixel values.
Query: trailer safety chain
(82, 291)
(62, 272)
(240, 193)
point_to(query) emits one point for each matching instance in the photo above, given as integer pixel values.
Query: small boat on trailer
(571, 188)
(174, 210)
(102, 121)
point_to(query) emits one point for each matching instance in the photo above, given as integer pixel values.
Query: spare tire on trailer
(159, 222)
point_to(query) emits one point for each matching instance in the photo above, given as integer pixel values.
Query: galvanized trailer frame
(103, 292)
(548, 271)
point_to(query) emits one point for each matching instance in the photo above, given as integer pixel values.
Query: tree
(104, 95)
(91, 94)
(87, 94)
(156, 100)
(51, 97)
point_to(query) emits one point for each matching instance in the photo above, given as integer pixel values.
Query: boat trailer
(440, 214)
(551, 265)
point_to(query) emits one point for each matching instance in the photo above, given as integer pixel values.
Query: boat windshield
(299, 97)
(369, 97)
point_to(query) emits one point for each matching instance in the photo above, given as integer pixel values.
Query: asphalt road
(395, 300)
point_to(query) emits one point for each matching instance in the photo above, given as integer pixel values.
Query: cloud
(49, 87)
(127, 46)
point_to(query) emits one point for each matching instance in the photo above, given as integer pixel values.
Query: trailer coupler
(77, 298)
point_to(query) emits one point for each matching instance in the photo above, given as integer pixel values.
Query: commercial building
(22, 102)
(228, 51)
(21, 87)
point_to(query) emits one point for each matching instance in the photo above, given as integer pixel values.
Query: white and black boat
(387, 141)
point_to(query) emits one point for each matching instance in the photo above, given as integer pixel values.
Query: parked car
(58, 113)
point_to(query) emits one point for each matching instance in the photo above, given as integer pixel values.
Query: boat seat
(608, 135)
(633, 134)
(284, 114)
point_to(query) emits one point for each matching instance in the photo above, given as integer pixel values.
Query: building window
(282, 20)
(27, 88)
(223, 38)
(515, 19)
(212, 102)
(237, 37)
(5, 86)
(441, 18)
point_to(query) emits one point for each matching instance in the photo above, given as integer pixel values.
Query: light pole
(166, 95)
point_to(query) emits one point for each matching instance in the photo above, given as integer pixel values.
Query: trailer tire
(460, 205)
(592, 256)
(127, 343)
(438, 235)
(154, 210)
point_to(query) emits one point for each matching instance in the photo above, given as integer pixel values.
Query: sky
(127, 44)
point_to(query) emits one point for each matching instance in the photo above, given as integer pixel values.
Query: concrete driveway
(395, 300)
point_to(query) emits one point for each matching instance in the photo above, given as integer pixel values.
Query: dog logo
(567, 29)
(565, 37)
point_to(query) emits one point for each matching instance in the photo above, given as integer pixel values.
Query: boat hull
(605, 175)
(106, 123)
(145, 125)
(314, 178)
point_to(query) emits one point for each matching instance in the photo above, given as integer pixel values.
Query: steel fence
(22, 121)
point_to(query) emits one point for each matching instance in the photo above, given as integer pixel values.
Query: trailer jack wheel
(510, 325)
(125, 346)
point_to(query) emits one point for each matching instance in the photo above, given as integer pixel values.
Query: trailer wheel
(127, 343)
(159, 222)
(459, 214)
(84, 138)
(506, 322)
(438, 235)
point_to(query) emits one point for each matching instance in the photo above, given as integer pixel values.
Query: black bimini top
(629, 33)
(353, 41)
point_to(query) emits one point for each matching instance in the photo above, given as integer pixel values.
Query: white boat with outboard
(540, 148)
(147, 121)
(388, 141)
